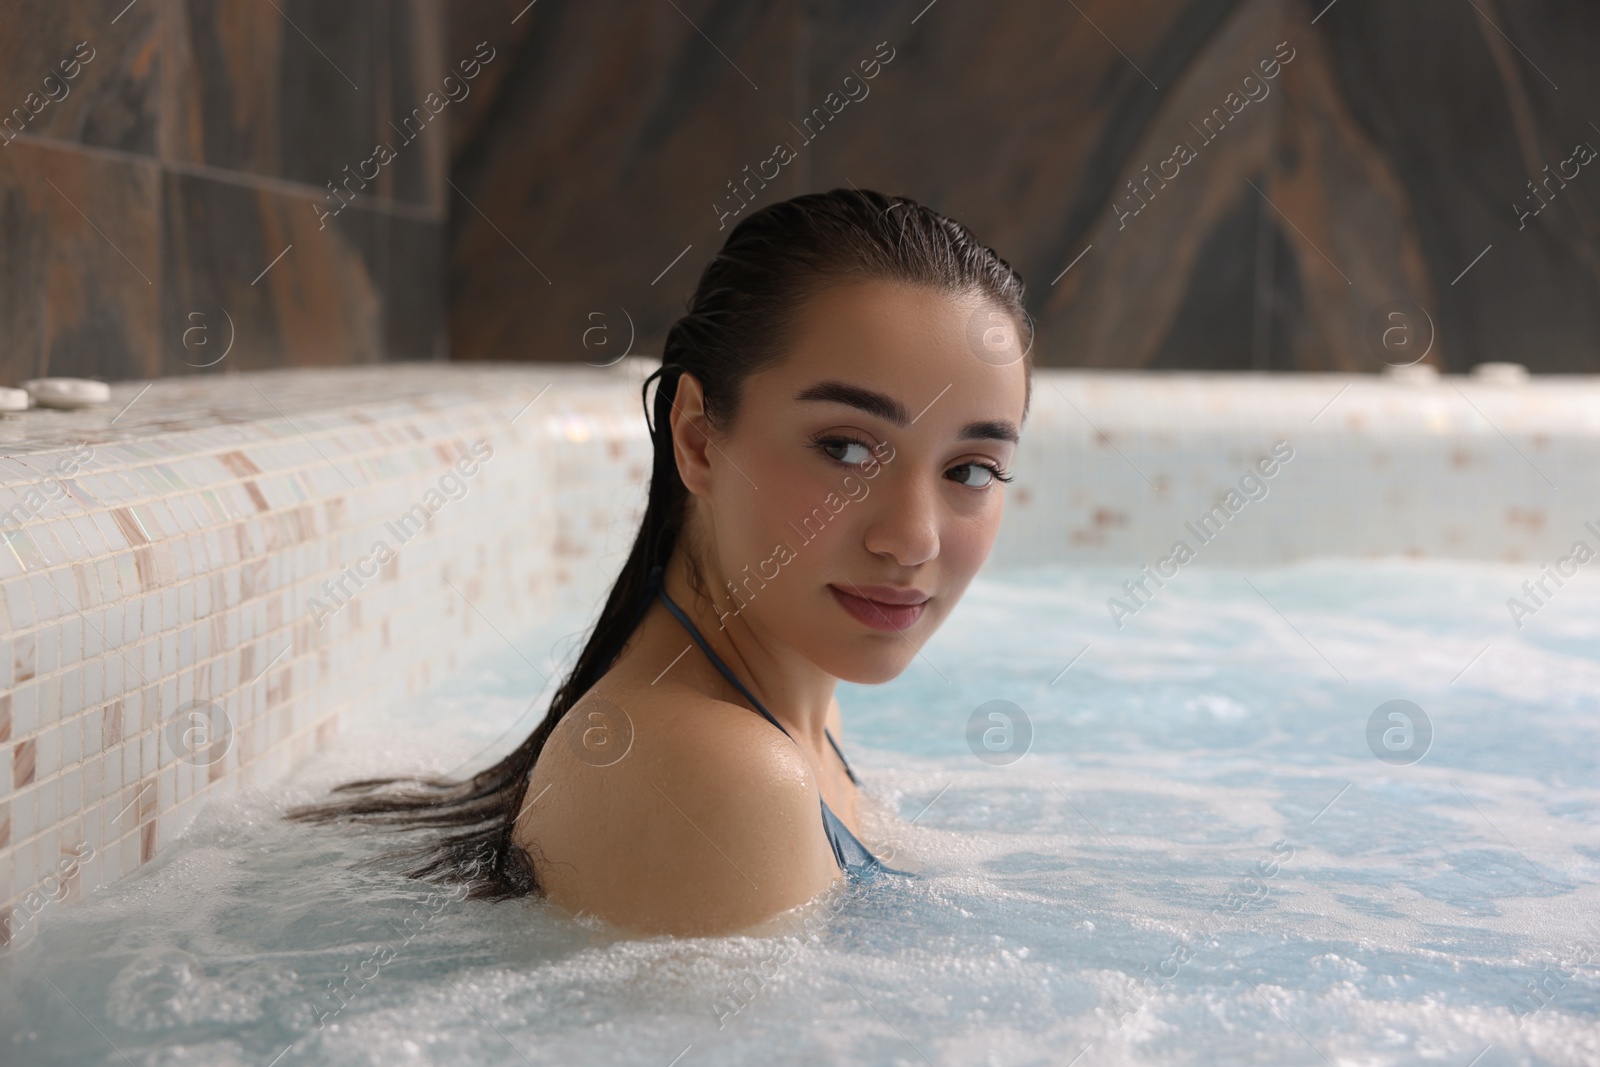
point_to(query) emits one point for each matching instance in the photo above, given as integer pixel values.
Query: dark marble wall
(1378, 168)
(184, 148)
(573, 179)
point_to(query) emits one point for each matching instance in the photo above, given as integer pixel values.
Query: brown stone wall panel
(1348, 215)
(1216, 323)
(304, 94)
(411, 269)
(617, 128)
(1120, 305)
(474, 22)
(1025, 109)
(330, 305)
(1018, 120)
(221, 109)
(416, 68)
(24, 316)
(1466, 123)
(1554, 280)
(80, 262)
(111, 102)
(215, 248)
(1117, 306)
(1557, 59)
(321, 304)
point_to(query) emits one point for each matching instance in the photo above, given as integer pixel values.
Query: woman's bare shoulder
(662, 810)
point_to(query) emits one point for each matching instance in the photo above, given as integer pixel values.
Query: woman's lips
(863, 606)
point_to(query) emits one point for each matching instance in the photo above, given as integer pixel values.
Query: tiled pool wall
(198, 579)
(220, 544)
(1116, 467)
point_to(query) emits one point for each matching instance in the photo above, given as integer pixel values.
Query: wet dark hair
(740, 319)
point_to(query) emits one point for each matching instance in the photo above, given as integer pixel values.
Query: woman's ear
(691, 441)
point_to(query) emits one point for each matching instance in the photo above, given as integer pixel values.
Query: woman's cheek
(765, 532)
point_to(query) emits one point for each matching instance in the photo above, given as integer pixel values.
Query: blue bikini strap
(654, 584)
(840, 754)
(716, 660)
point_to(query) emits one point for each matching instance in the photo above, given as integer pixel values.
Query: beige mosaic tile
(161, 573)
(192, 589)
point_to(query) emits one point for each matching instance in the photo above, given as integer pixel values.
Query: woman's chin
(866, 667)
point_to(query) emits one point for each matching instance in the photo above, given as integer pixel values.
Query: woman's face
(857, 494)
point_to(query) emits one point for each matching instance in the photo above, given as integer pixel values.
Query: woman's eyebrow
(879, 405)
(887, 408)
(988, 430)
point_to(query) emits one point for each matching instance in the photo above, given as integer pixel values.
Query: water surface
(1199, 859)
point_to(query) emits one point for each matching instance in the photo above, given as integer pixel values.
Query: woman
(833, 420)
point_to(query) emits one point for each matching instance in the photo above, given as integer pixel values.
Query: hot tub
(1284, 808)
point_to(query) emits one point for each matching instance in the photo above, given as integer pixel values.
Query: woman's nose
(904, 524)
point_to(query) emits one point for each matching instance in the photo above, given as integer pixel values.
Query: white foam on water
(1199, 860)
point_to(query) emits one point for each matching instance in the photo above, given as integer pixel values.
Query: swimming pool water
(1199, 859)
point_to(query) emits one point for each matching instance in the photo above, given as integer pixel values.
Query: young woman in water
(833, 421)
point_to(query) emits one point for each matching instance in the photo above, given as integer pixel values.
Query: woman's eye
(845, 451)
(975, 475)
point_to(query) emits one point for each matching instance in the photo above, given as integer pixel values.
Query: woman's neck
(794, 690)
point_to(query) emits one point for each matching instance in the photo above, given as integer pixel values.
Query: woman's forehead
(912, 344)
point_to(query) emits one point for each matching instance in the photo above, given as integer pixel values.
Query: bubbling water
(1199, 857)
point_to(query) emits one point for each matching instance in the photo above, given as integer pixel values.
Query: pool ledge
(197, 579)
(191, 592)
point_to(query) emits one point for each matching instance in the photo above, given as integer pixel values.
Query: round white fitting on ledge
(14, 400)
(1412, 373)
(1501, 373)
(67, 392)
